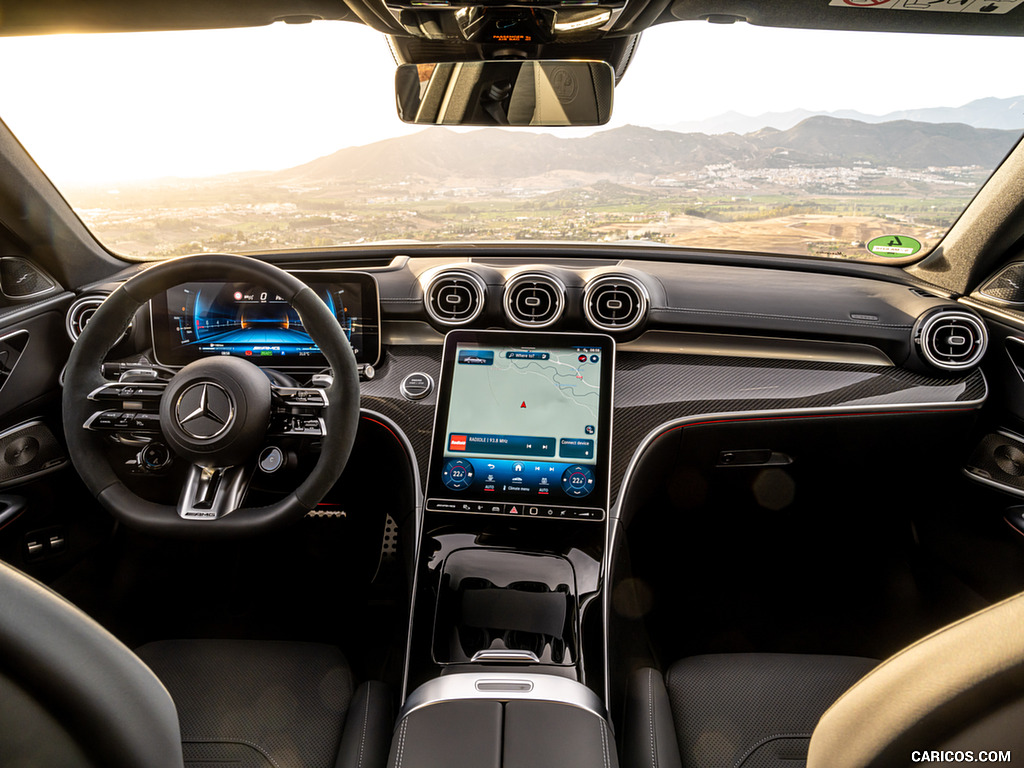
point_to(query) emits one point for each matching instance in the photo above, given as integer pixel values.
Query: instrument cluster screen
(524, 426)
(204, 319)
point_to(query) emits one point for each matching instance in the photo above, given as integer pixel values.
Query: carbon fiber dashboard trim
(383, 394)
(657, 392)
(654, 392)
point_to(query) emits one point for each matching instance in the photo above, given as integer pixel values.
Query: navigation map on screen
(524, 421)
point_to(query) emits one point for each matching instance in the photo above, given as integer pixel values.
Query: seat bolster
(943, 685)
(648, 733)
(366, 738)
(112, 704)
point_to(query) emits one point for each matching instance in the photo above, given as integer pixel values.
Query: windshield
(813, 143)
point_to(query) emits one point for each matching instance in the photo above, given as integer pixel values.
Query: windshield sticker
(942, 6)
(893, 246)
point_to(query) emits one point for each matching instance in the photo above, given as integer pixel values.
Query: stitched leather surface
(368, 727)
(754, 710)
(258, 703)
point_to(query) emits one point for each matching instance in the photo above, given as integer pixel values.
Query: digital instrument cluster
(204, 319)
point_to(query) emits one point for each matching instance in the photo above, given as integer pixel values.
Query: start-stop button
(416, 386)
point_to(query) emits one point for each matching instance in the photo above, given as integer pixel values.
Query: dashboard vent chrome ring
(615, 302)
(533, 300)
(455, 297)
(951, 340)
(79, 314)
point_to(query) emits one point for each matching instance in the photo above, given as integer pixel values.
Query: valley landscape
(823, 187)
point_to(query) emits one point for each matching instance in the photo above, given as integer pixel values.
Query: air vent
(455, 297)
(615, 302)
(1007, 287)
(534, 301)
(81, 312)
(951, 340)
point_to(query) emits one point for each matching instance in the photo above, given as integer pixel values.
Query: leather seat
(70, 693)
(73, 696)
(752, 710)
(265, 704)
(960, 690)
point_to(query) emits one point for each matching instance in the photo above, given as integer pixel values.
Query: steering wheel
(215, 413)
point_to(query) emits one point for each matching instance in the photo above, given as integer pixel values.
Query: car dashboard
(696, 343)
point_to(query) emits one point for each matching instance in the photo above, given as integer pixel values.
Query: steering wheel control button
(578, 481)
(154, 456)
(204, 410)
(416, 386)
(311, 397)
(126, 391)
(271, 459)
(103, 420)
(457, 474)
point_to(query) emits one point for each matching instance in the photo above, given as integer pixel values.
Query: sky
(119, 107)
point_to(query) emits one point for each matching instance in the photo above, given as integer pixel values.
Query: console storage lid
(503, 720)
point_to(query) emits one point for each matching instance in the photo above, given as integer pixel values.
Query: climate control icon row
(575, 480)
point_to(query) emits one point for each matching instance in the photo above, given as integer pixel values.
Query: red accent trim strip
(740, 420)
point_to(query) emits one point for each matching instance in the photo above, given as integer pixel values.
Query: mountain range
(1005, 114)
(438, 154)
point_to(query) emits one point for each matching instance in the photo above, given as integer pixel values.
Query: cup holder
(506, 607)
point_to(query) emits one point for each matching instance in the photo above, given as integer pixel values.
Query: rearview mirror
(513, 93)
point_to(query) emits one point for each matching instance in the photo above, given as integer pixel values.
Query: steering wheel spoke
(212, 492)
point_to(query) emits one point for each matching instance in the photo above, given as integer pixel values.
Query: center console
(507, 639)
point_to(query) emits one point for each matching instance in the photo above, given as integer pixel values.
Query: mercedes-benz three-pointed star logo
(204, 410)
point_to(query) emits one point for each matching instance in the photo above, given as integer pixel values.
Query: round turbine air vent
(455, 297)
(615, 303)
(81, 312)
(951, 340)
(534, 301)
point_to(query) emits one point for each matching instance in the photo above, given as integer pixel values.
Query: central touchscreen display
(522, 427)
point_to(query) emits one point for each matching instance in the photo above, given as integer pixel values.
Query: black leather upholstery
(960, 688)
(72, 694)
(648, 732)
(737, 710)
(367, 734)
(546, 734)
(483, 733)
(258, 704)
(450, 734)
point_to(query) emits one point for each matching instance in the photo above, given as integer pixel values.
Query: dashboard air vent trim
(454, 297)
(79, 313)
(534, 300)
(951, 340)
(615, 302)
